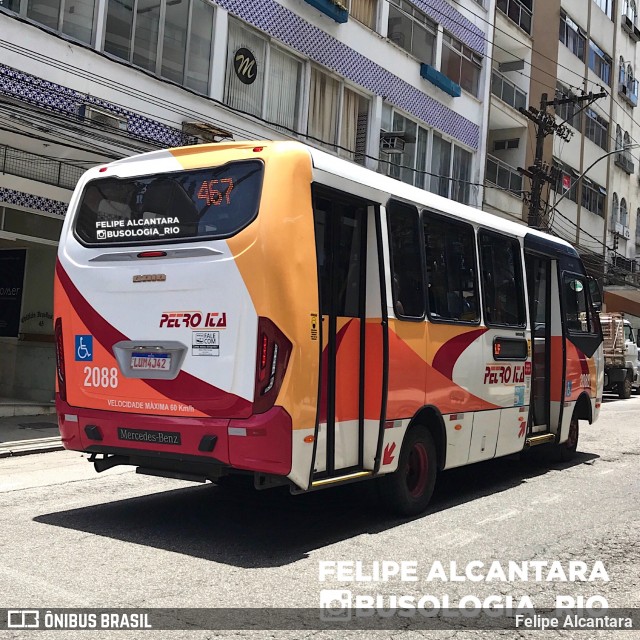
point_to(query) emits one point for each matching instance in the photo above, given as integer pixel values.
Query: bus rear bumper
(260, 443)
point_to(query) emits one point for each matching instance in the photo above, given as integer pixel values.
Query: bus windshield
(207, 203)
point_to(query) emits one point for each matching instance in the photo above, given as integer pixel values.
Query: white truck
(621, 366)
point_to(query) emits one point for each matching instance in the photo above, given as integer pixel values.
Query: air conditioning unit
(626, 233)
(103, 118)
(390, 143)
(619, 228)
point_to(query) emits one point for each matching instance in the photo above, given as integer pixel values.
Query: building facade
(581, 47)
(402, 87)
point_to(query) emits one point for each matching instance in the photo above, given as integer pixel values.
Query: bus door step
(539, 428)
(343, 479)
(541, 439)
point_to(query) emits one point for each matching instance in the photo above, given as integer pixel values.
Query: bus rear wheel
(408, 490)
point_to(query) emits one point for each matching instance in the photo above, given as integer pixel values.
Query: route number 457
(101, 377)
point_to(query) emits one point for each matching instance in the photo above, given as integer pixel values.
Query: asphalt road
(74, 538)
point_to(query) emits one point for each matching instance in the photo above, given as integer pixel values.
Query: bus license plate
(151, 361)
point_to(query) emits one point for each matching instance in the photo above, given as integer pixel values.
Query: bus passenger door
(342, 226)
(548, 369)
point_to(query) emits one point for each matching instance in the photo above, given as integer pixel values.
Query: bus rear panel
(172, 343)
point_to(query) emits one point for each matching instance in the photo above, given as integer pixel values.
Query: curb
(25, 447)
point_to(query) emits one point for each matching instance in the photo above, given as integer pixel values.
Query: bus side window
(407, 283)
(451, 269)
(502, 280)
(578, 318)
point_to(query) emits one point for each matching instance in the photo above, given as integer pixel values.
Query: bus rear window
(207, 203)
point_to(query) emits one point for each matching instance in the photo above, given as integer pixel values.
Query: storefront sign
(11, 286)
(245, 65)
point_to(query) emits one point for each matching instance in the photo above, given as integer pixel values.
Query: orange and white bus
(266, 308)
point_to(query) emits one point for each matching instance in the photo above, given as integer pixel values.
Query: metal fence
(36, 167)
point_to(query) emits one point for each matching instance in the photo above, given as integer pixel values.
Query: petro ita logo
(245, 65)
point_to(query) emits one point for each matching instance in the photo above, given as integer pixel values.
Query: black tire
(624, 389)
(567, 450)
(408, 490)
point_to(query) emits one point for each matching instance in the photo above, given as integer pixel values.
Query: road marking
(604, 473)
(500, 516)
(550, 499)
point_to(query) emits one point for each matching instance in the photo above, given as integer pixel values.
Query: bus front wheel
(408, 490)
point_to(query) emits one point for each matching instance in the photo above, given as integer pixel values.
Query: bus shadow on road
(251, 529)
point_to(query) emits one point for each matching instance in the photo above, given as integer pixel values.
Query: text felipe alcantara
(537, 571)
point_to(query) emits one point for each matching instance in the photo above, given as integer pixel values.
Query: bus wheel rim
(417, 470)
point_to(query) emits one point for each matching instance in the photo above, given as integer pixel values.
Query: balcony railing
(507, 91)
(36, 167)
(501, 174)
(518, 12)
(623, 160)
(628, 88)
(630, 24)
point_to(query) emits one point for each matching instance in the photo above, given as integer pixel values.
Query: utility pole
(540, 173)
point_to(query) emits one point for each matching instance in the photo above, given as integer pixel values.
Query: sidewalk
(21, 435)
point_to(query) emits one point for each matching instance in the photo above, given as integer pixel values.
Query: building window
(410, 164)
(364, 11)
(569, 112)
(629, 10)
(615, 207)
(593, 197)
(461, 64)
(572, 36)
(451, 170)
(177, 47)
(504, 145)
(618, 137)
(74, 19)
(624, 216)
(597, 129)
(338, 116)
(606, 6)
(519, 11)
(411, 29)
(262, 80)
(637, 226)
(599, 62)
(567, 178)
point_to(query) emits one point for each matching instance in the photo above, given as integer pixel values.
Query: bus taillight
(274, 350)
(62, 381)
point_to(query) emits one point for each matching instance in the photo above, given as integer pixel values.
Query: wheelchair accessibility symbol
(84, 348)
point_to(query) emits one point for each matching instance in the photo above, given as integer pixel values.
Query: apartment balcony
(629, 23)
(624, 161)
(517, 11)
(628, 90)
(507, 91)
(36, 167)
(503, 175)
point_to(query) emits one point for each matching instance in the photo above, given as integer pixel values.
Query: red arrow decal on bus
(388, 456)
